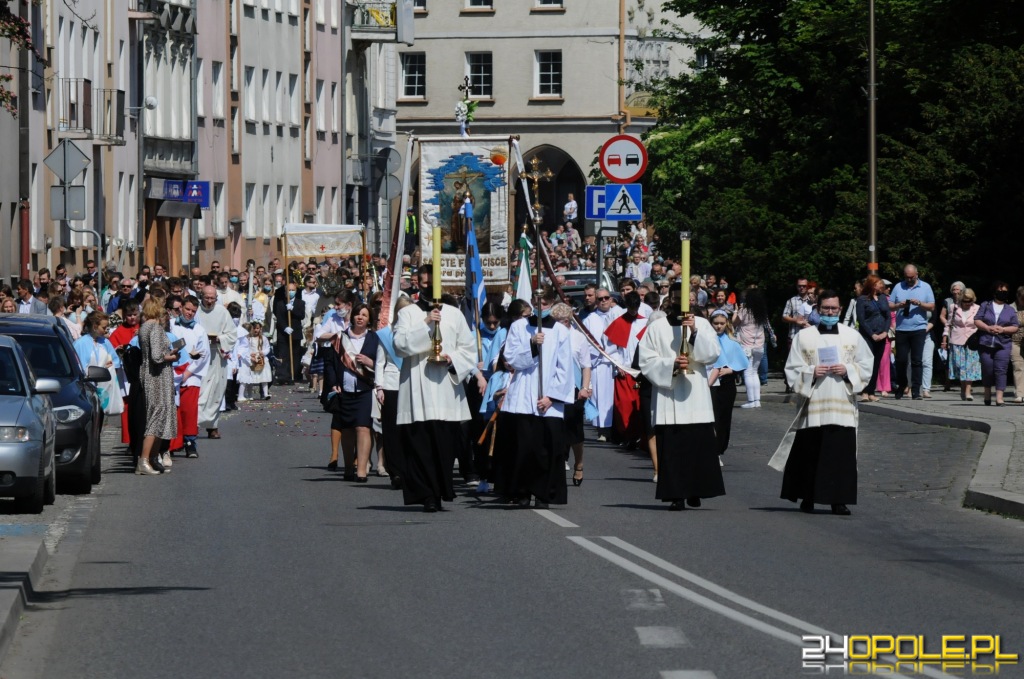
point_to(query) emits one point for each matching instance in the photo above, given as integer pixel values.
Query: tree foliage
(762, 150)
(18, 34)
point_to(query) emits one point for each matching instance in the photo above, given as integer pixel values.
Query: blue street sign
(198, 193)
(594, 206)
(173, 189)
(623, 202)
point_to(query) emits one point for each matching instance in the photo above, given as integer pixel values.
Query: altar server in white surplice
(532, 463)
(431, 400)
(828, 365)
(603, 371)
(683, 412)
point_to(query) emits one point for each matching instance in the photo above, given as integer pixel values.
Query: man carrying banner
(603, 370)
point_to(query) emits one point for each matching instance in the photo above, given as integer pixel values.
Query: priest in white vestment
(828, 365)
(532, 463)
(222, 335)
(683, 412)
(431, 400)
(602, 369)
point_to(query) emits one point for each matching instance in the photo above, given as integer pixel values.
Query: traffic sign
(198, 193)
(623, 202)
(623, 159)
(67, 203)
(66, 161)
(594, 205)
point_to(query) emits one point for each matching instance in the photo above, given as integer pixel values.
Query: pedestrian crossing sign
(623, 202)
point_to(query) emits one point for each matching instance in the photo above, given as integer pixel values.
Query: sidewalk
(998, 483)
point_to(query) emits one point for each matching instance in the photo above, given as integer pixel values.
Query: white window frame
(217, 78)
(421, 82)
(249, 93)
(539, 75)
(484, 79)
(200, 87)
(321, 106)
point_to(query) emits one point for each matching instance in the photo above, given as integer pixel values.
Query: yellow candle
(685, 274)
(436, 276)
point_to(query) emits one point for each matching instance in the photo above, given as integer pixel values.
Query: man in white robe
(432, 401)
(828, 365)
(683, 411)
(539, 351)
(222, 335)
(603, 370)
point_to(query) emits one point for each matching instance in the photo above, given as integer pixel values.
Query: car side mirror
(97, 374)
(46, 385)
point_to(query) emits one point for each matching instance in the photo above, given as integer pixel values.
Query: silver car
(28, 432)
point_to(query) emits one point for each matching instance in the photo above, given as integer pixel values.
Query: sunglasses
(603, 299)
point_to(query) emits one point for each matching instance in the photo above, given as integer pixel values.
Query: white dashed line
(555, 518)
(662, 637)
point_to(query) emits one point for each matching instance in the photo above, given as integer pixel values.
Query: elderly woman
(1016, 357)
(964, 364)
(157, 375)
(997, 323)
(948, 307)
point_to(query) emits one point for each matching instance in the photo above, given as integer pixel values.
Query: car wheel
(96, 472)
(33, 504)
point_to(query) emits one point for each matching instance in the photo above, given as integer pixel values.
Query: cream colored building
(547, 70)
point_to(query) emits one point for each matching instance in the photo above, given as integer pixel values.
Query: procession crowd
(503, 392)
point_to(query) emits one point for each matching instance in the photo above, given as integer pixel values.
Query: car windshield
(10, 377)
(579, 277)
(46, 355)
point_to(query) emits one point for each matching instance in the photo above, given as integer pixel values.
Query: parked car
(28, 432)
(76, 407)
(587, 276)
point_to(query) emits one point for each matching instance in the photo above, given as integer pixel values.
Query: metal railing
(109, 121)
(375, 15)
(74, 105)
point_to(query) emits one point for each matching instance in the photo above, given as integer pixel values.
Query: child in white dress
(253, 364)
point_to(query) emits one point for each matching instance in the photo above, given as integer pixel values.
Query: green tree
(17, 32)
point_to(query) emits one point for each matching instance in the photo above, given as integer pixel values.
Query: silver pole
(872, 149)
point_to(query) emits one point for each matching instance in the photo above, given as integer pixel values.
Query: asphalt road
(253, 561)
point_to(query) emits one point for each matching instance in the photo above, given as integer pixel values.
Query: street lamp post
(872, 150)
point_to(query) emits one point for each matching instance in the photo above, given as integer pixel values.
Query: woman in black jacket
(873, 319)
(348, 393)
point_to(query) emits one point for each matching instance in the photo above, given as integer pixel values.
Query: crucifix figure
(462, 206)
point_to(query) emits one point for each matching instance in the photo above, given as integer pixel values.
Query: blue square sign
(594, 208)
(198, 193)
(623, 202)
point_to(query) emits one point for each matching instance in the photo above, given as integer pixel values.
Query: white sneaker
(241, 399)
(751, 404)
(601, 438)
(165, 460)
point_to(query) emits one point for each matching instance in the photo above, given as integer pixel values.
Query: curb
(985, 490)
(18, 583)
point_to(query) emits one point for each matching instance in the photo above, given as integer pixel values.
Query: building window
(480, 69)
(549, 74)
(249, 93)
(217, 76)
(488, 4)
(321, 107)
(266, 96)
(420, 4)
(549, 3)
(200, 87)
(293, 99)
(414, 75)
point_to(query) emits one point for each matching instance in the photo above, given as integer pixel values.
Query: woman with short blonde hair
(157, 376)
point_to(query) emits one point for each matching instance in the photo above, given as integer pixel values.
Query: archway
(552, 194)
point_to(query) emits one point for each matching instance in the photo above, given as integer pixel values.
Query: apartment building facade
(553, 72)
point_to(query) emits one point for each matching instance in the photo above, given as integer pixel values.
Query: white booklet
(828, 355)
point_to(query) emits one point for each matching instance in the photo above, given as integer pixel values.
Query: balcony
(84, 112)
(382, 21)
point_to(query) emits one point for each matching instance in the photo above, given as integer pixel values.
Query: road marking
(555, 518)
(714, 606)
(688, 674)
(662, 637)
(643, 599)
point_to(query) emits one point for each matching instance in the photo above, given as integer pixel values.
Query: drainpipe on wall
(24, 151)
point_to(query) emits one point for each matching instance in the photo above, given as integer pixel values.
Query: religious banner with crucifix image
(463, 184)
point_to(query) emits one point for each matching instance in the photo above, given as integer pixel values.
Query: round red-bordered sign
(623, 159)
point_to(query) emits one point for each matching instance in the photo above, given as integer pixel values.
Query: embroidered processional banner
(454, 170)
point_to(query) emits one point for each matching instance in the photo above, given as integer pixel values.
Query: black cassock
(822, 466)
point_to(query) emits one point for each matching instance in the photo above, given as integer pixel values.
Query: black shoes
(190, 449)
(350, 474)
(540, 504)
(840, 510)
(693, 501)
(361, 479)
(524, 502)
(332, 465)
(396, 482)
(430, 506)
(154, 462)
(807, 506)
(575, 471)
(677, 506)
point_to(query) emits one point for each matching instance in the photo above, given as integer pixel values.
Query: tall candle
(685, 274)
(436, 275)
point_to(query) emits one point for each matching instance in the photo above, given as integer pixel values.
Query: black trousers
(909, 347)
(877, 349)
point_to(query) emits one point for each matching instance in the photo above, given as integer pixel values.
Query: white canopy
(323, 240)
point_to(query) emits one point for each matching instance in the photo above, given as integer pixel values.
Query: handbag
(333, 403)
(259, 361)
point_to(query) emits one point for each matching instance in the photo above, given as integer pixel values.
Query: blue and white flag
(475, 289)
